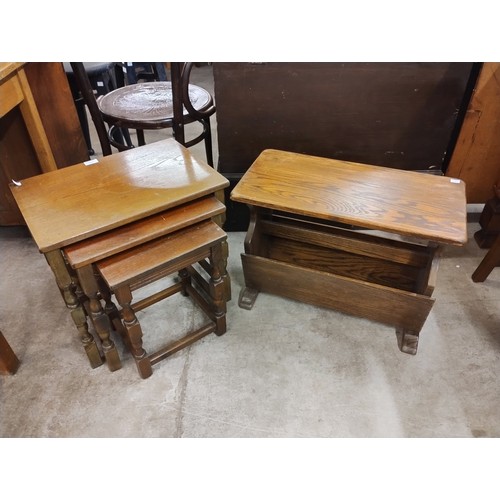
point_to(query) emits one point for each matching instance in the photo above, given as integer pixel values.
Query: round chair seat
(148, 105)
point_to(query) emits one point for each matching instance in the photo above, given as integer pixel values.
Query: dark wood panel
(399, 115)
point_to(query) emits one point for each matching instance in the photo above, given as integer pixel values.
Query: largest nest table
(361, 239)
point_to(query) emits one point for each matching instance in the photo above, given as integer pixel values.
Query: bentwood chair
(103, 77)
(82, 82)
(153, 105)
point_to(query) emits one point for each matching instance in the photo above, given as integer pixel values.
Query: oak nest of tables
(146, 204)
(361, 239)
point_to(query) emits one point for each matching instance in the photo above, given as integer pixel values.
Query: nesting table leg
(225, 276)
(134, 332)
(65, 284)
(218, 289)
(99, 317)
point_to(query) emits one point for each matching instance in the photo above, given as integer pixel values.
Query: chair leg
(134, 332)
(140, 137)
(84, 123)
(489, 262)
(208, 141)
(120, 138)
(225, 276)
(100, 319)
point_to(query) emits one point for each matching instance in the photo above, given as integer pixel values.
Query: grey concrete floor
(283, 369)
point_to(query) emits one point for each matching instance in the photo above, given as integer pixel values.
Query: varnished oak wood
(146, 263)
(401, 202)
(383, 304)
(52, 94)
(131, 265)
(39, 127)
(131, 235)
(476, 157)
(11, 95)
(7, 68)
(67, 287)
(292, 249)
(113, 205)
(15, 90)
(81, 201)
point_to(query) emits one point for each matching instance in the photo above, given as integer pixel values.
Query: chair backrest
(83, 83)
(181, 74)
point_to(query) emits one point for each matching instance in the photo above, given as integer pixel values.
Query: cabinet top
(407, 203)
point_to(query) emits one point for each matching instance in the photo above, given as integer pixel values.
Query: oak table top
(74, 203)
(397, 201)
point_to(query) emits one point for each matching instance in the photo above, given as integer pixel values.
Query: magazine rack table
(381, 265)
(110, 200)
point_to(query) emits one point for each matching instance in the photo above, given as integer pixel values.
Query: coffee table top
(407, 203)
(74, 203)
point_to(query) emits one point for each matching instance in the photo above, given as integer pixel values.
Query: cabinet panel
(39, 127)
(399, 115)
(17, 161)
(476, 158)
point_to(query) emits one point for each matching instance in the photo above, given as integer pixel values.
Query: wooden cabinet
(39, 127)
(476, 158)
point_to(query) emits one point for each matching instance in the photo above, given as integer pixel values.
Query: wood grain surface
(406, 203)
(75, 203)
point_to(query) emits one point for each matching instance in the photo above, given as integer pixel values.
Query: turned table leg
(218, 289)
(134, 332)
(100, 319)
(225, 276)
(66, 286)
